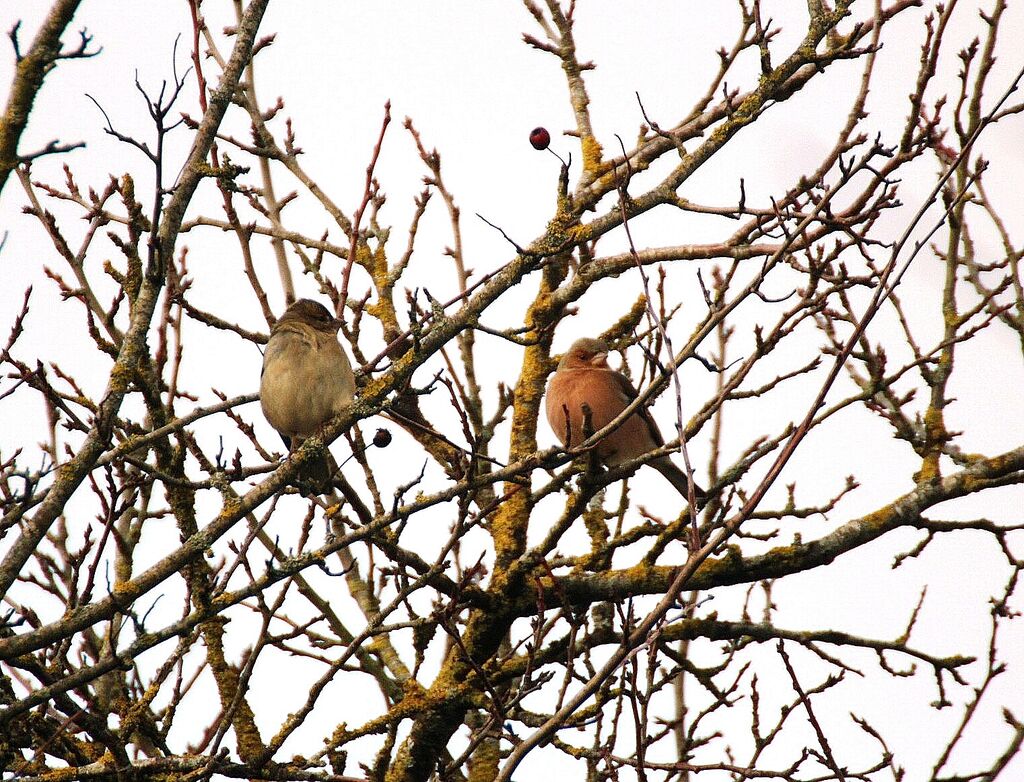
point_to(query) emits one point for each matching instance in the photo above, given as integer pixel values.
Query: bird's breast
(599, 390)
(306, 380)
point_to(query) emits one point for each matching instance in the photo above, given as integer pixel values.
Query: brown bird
(584, 378)
(307, 378)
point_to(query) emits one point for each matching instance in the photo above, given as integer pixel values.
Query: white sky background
(474, 91)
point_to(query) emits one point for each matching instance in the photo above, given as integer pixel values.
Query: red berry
(540, 138)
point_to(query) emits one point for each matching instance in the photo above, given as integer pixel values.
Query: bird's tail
(677, 478)
(315, 476)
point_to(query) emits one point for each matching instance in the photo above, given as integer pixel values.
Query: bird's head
(585, 354)
(313, 314)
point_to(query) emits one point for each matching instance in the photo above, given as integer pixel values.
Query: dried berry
(540, 138)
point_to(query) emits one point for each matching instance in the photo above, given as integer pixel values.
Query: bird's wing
(629, 394)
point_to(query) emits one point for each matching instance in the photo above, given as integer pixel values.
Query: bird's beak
(337, 323)
(599, 360)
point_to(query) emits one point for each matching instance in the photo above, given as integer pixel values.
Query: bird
(307, 378)
(583, 378)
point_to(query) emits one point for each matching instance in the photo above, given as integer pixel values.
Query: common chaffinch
(583, 378)
(307, 378)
